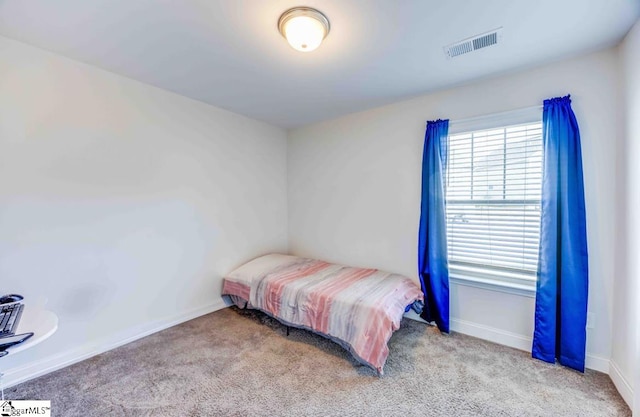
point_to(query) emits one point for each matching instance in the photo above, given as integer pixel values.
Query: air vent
(474, 43)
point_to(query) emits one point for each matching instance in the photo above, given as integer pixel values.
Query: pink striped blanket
(359, 308)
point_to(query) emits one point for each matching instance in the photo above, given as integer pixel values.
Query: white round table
(40, 322)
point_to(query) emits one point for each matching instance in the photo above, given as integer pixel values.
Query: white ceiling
(229, 52)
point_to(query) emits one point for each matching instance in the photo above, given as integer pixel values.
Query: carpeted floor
(241, 363)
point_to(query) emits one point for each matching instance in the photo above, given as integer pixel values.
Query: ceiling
(229, 53)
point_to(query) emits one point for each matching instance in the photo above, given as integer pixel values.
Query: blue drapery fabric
(432, 239)
(562, 287)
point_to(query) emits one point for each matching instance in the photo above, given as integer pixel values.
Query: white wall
(123, 204)
(625, 358)
(354, 188)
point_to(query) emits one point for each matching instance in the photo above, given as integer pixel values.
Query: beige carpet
(241, 363)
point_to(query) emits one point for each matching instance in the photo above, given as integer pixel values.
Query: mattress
(357, 307)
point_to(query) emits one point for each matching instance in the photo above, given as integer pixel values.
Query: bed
(355, 307)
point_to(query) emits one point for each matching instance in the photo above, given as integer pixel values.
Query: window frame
(494, 281)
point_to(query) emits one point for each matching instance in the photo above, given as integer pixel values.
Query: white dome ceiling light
(304, 28)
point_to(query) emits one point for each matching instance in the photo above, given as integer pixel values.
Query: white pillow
(258, 267)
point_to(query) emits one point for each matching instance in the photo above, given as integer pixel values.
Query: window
(493, 191)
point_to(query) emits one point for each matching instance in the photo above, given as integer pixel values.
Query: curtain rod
(504, 113)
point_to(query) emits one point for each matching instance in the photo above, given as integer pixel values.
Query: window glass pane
(494, 179)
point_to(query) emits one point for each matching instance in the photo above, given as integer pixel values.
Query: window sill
(521, 289)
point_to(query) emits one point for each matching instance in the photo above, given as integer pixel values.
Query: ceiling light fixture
(304, 28)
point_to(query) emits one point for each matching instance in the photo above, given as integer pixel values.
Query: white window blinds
(493, 187)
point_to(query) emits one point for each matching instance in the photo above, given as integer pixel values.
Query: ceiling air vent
(474, 43)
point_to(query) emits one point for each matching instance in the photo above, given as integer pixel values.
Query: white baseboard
(506, 338)
(598, 363)
(621, 383)
(44, 366)
(492, 334)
